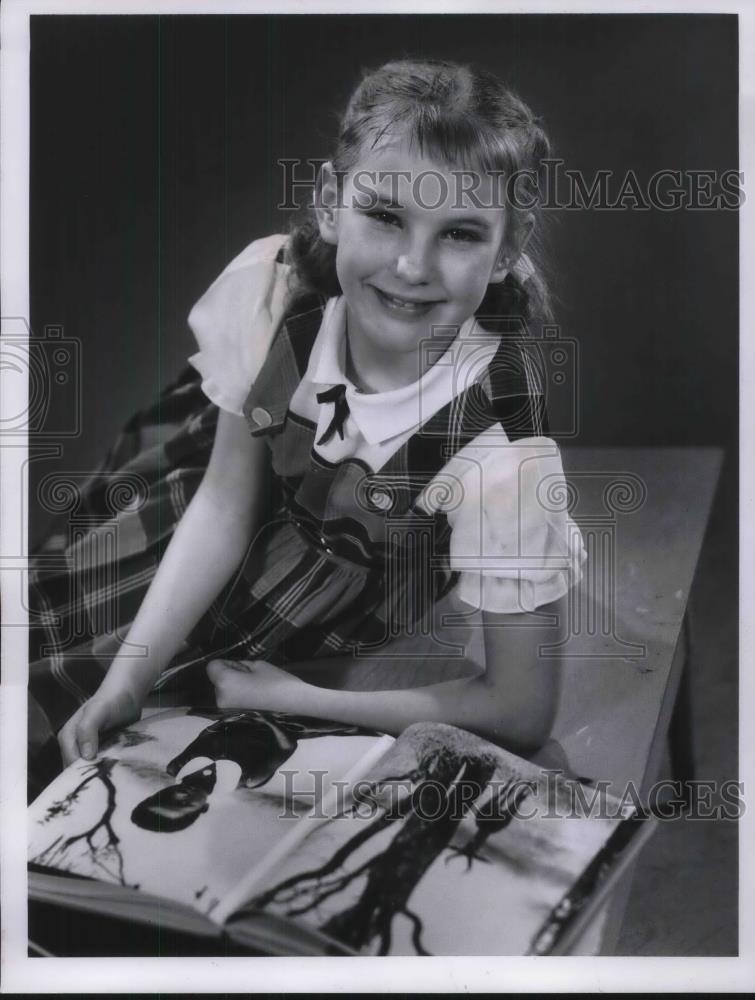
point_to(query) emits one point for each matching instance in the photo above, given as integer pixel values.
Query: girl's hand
(256, 684)
(80, 736)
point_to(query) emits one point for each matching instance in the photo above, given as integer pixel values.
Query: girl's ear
(326, 203)
(511, 250)
(501, 268)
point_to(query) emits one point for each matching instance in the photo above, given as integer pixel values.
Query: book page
(450, 847)
(183, 804)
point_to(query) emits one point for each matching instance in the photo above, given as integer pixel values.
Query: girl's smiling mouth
(402, 305)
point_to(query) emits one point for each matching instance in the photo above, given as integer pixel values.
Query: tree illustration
(496, 816)
(425, 826)
(100, 838)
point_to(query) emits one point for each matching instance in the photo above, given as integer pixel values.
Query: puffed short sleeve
(235, 320)
(513, 542)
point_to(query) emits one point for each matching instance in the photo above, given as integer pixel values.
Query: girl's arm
(208, 544)
(513, 703)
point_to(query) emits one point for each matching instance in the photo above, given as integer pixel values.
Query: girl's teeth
(409, 306)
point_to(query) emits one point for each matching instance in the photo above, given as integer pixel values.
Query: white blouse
(513, 543)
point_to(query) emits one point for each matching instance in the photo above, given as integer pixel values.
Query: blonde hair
(462, 117)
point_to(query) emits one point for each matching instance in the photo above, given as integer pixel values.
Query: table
(615, 710)
(614, 716)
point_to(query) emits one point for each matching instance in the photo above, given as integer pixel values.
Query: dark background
(154, 148)
(154, 144)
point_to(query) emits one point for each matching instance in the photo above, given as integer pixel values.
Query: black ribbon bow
(337, 395)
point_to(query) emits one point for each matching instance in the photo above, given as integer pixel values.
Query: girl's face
(415, 249)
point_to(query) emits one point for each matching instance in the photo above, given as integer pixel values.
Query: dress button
(261, 416)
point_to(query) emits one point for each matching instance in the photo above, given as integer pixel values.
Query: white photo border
(400, 975)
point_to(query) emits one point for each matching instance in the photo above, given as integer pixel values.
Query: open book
(291, 836)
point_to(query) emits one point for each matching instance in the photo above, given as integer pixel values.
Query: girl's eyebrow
(471, 220)
(386, 201)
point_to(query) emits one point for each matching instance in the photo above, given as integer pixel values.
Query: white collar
(384, 415)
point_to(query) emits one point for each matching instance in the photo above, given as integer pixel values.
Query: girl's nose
(414, 264)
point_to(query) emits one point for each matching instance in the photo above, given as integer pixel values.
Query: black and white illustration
(364, 863)
(184, 810)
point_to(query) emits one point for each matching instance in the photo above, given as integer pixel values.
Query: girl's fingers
(88, 729)
(80, 737)
(67, 740)
(221, 675)
(240, 666)
(215, 670)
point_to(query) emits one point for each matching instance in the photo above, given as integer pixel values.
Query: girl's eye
(455, 235)
(463, 236)
(386, 218)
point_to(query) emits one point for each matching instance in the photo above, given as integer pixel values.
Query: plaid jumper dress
(346, 559)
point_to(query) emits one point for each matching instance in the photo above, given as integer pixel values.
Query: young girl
(368, 377)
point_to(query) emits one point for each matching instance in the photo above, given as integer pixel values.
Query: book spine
(572, 912)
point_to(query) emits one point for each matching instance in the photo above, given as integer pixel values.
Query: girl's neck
(376, 371)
